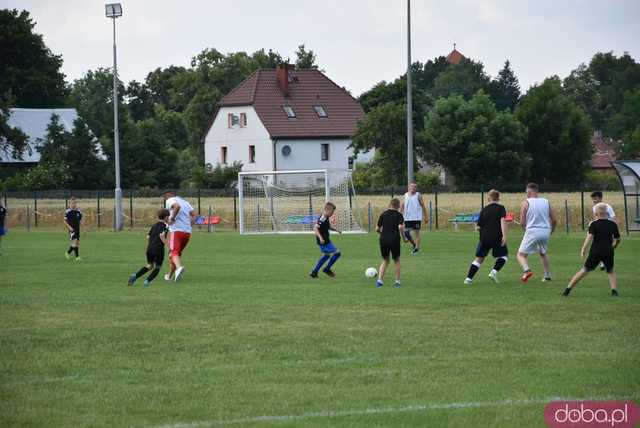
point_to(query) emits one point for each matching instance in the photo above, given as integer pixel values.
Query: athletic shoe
(132, 279)
(526, 276)
(397, 285)
(145, 284)
(468, 281)
(546, 279)
(378, 284)
(78, 259)
(329, 273)
(178, 274)
(67, 256)
(313, 274)
(167, 277)
(494, 277)
(614, 293)
(566, 291)
(602, 266)
(415, 250)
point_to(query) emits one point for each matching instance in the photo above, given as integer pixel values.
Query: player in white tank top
(538, 220)
(413, 210)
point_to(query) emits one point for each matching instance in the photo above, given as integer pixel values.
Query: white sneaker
(546, 279)
(494, 277)
(178, 274)
(468, 281)
(167, 277)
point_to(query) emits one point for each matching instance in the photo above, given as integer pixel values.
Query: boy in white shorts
(539, 222)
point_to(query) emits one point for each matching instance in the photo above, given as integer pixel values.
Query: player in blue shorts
(328, 250)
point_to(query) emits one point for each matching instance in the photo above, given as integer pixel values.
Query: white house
(285, 119)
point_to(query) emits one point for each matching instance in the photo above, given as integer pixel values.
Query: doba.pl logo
(591, 414)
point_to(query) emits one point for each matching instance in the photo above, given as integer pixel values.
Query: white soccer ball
(370, 272)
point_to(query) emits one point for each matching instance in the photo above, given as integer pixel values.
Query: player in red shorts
(180, 220)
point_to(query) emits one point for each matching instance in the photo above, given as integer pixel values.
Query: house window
(223, 155)
(324, 152)
(289, 112)
(320, 111)
(243, 120)
(252, 154)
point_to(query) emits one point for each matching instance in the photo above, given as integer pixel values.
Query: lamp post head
(113, 10)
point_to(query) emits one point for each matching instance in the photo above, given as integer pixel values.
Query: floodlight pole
(116, 137)
(410, 175)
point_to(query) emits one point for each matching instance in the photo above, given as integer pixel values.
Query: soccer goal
(292, 201)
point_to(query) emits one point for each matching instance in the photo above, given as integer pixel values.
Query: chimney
(282, 75)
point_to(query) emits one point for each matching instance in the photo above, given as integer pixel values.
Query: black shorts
(155, 258)
(412, 224)
(390, 247)
(594, 259)
(74, 235)
(497, 250)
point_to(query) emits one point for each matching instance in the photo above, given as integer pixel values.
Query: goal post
(292, 201)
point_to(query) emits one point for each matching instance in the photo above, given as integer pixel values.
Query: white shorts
(535, 241)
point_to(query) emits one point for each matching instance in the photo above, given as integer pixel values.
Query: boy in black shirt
(157, 238)
(3, 231)
(328, 250)
(493, 236)
(72, 219)
(604, 237)
(391, 228)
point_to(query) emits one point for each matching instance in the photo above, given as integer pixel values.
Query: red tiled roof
(306, 89)
(603, 153)
(455, 57)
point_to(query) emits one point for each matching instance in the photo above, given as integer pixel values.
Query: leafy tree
(220, 178)
(53, 147)
(505, 90)
(559, 133)
(465, 78)
(13, 142)
(475, 142)
(29, 71)
(44, 176)
(625, 126)
(305, 59)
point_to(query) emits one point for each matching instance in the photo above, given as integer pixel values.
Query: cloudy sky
(358, 42)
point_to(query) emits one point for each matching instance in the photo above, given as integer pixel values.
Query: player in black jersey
(493, 236)
(157, 239)
(323, 239)
(73, 219)
(3, 231)
(604, 237)
(391, 228)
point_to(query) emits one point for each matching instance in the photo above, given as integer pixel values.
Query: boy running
(596, 198)
(3, 231)
(157, 239)
(390, 227)
(413, 210)
(604, 237)
(328, 250)
(180, 219)
(72, 219)
(493, 236)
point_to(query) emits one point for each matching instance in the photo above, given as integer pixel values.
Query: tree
(625, 126)
(305, 59)
(559, 133)
(53, 147)
(505, 90)
(475, 142)
(13, 142)
(29, 72)
(465, 78)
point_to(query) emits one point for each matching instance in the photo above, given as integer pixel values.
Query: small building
(33, 122)
(455, 57)
(603, 153)
(285, 119)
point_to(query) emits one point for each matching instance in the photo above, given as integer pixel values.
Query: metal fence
(45, 209)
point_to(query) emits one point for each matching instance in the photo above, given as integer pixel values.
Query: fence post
(208, 220)
(430, 217)
(98, 215)
(582, 207)
(131, 209)
(66, 199)
(369, 215)
(566, 215)
(481, 197)
(35, 209)
(199, 210)
(5, 199)
(436, 197)
(235, 209)
(114, 216)
(310, 212)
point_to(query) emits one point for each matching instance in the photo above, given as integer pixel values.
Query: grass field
(247, 339)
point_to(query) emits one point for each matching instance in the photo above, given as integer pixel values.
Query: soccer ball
(370, 272)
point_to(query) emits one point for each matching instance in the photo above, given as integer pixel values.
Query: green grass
(247, 334)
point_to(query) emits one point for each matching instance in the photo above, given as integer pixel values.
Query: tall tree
(29, 72)
(474, 142)
(559, 133)
(305, 59)
(13, 142)
(465, 78)
(505, 90)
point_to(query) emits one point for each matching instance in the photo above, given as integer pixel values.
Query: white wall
(237, 140)
(306, 154)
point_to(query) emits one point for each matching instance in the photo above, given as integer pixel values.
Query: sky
(357, 42)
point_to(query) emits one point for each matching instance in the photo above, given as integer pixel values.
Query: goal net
(292, 201)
